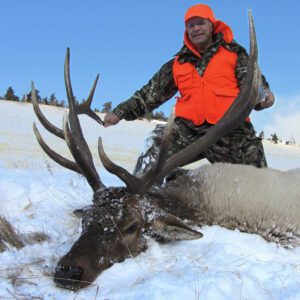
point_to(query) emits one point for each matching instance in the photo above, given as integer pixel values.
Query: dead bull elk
(113, 227)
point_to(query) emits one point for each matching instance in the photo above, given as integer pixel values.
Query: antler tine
(139, 185)
(165, 143)
(131, 181)
(55, 156)
(49, 126)
(74, 136)
(234, 116)
(85, 107)
(56, 131)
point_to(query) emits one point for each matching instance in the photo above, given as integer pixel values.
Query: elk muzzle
(66, 275)
(83, 263)
(103, 242)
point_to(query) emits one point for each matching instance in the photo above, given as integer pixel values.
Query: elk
(114, 226)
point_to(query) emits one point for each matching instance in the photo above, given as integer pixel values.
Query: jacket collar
(186, 54)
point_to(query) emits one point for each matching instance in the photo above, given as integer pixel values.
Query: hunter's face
(199, 31)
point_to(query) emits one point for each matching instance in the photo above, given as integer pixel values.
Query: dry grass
(36, 237)
(9, 236)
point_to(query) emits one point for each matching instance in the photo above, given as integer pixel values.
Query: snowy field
(38, 195)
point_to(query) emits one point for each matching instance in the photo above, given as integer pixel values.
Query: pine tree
(61, 103)
(29, 97)
(52, 100)
(45, 100)
(159, 115)
(107, 107)
(24, 98)
(274, 138)
(10, 95)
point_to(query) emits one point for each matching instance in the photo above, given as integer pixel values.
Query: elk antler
(234, 116)
(72, 134)
(85, 106)
(49, 126)
(133, 183)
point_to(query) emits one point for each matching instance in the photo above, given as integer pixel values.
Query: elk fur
(261, 201)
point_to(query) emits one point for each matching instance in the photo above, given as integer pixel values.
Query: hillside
(38, 195)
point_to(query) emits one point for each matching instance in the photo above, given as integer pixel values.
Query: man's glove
(267, 102)
(111, 119)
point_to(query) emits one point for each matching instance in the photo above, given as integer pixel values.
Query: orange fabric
(206, 98)
(200, 10)
(204, 11)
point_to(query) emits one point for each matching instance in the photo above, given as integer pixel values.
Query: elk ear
(169, 228)
(81, 211)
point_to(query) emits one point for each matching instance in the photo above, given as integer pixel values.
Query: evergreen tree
(28, 97)
(291, 141)
(61, 103)
(24, 99)
(10, 95)
(45, 100)
(107, 107)
(53, 100)
(159, 115)
(274, 138)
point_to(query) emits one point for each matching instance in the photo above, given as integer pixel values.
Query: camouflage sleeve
(241, 72)
(241, 69)
(160, 88)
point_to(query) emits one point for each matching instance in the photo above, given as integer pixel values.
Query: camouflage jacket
(161, 87)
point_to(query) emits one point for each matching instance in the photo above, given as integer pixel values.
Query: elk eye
(132, 228)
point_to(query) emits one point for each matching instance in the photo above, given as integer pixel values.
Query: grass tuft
(9, 236)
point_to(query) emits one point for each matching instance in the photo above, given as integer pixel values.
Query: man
(208, 72)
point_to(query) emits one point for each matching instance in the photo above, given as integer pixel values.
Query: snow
(38, 195)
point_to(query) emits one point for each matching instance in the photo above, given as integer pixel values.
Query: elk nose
(67, 276)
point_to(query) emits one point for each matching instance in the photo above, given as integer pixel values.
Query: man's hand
(268, 102)
(111, 119)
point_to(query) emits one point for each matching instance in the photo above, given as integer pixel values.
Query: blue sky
(127, 42)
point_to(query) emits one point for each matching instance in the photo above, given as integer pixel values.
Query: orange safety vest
(207, 97)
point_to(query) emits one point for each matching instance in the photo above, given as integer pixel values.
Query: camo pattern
(241, 146)
(161, 87)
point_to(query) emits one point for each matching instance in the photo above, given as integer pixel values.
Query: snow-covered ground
(38, 195)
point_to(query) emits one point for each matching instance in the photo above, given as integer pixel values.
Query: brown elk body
(113, 227)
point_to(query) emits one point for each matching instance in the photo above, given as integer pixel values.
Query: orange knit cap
(200, 10)
(204, 11)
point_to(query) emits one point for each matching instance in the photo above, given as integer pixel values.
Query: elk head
(113, 226)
